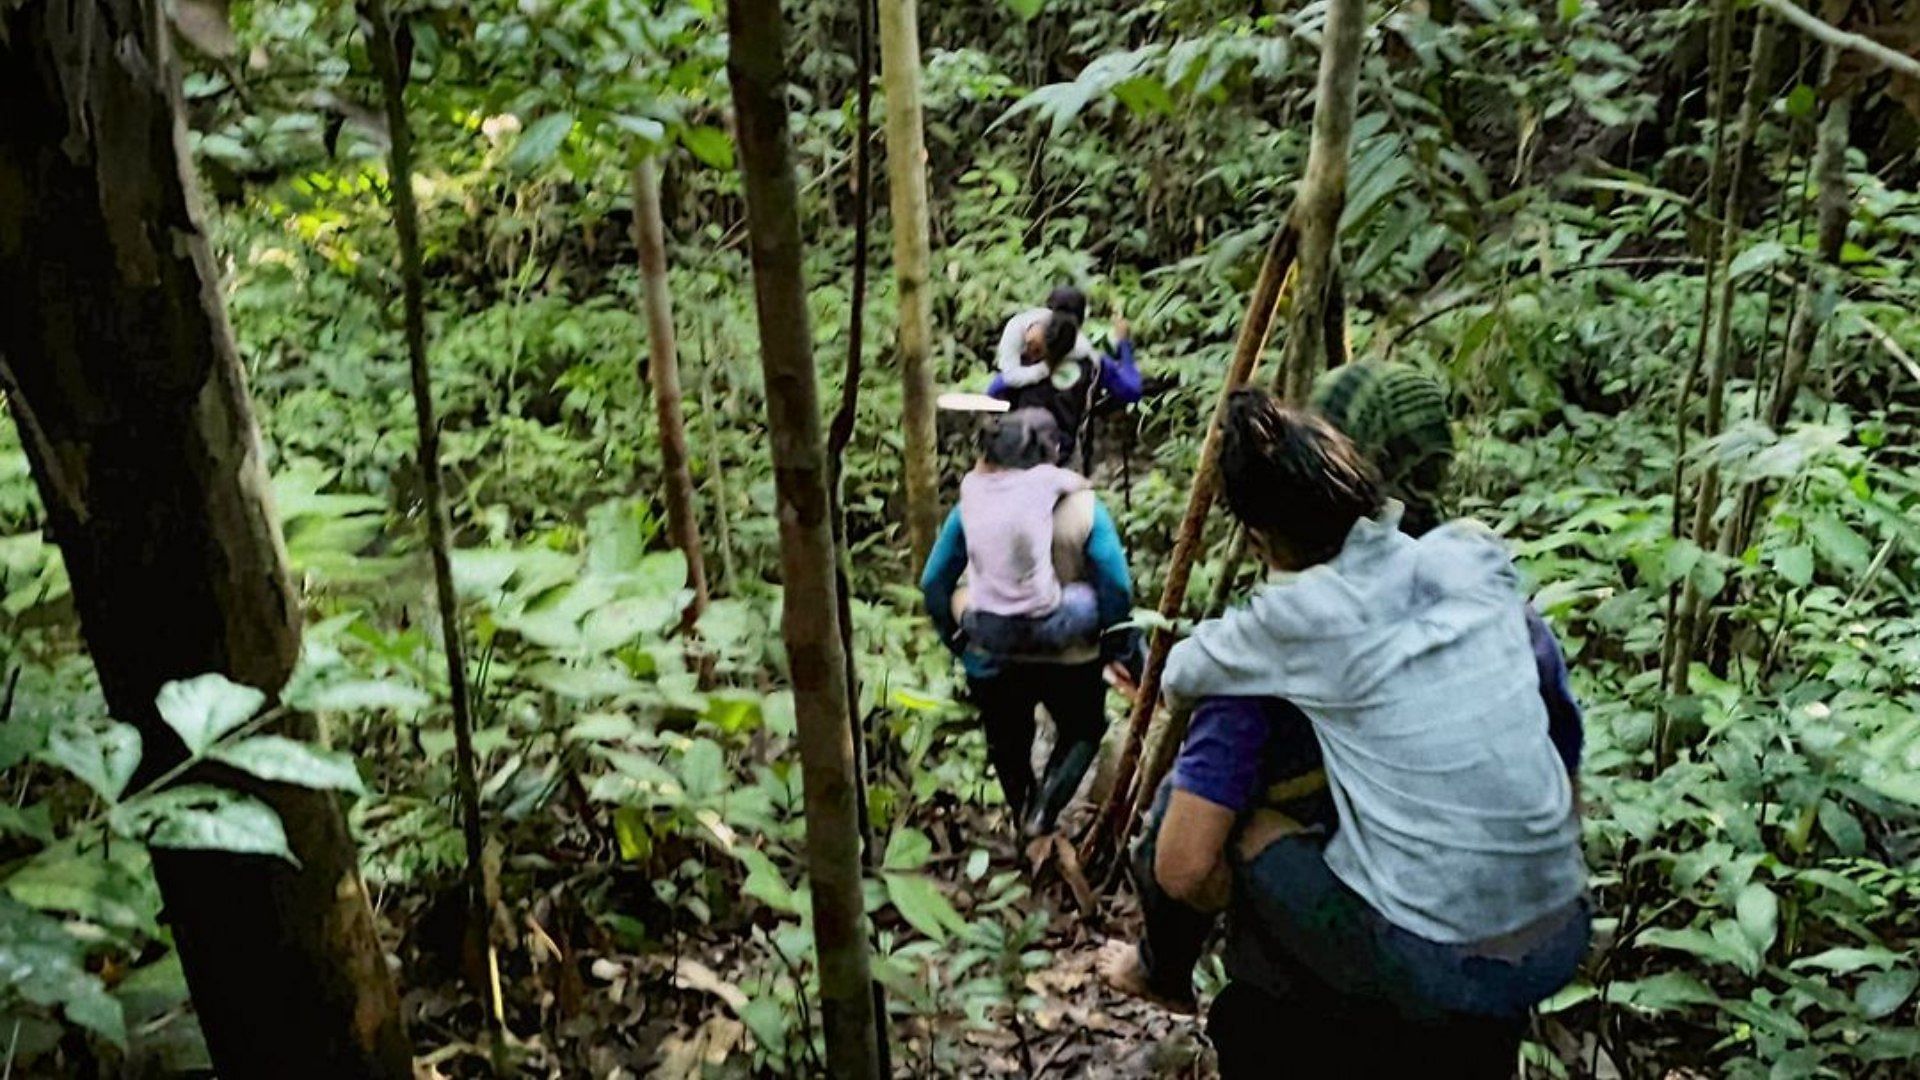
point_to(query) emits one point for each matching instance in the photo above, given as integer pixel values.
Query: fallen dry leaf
(691, 974)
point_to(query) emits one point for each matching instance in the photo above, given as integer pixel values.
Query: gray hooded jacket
(1412, 660)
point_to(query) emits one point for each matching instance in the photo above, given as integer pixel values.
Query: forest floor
(592, 1005)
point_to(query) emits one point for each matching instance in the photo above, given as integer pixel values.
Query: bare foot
(1120, 967)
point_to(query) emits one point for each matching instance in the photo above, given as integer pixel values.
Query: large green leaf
(764, 880)
(710, 145)
(540, 141)
(206, 707)
(1758, 257)
(1843, 961)
(613, 625)
(113, 889)
(100, 752)
(288, 761)
(907, 849)
(34, 822)
(1839, 543)
(204, 818)
(703, 770)
(922, 904)
(1795, 564)
(363, 695)
(1758, 911)
(1699, 943)
(1664, 992)
(1882, 993)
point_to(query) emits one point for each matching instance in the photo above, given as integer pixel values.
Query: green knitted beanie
(1397, 416)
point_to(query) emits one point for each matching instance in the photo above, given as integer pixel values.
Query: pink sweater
(1007, 517)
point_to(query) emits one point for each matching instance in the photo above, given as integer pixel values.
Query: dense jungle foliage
(1528, 214)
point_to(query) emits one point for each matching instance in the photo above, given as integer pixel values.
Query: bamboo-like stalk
(1706, 497)
(1116, 814)
(1718, 63)
(717, 471)
(1314, 334)
(406, 223)
(1833, 209)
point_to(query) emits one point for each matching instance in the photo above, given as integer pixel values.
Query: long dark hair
(1061, 334)
(1293, 477)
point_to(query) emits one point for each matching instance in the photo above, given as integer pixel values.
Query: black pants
(1076, 698)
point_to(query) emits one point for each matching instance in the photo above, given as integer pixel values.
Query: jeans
(1074, 621)
(1076, 698)
(1294, 915)
(1320, 984)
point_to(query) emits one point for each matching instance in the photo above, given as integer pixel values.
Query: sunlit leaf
(206, 818)
(102, 753)
(287, 761)
(907, 849)
(206, 707)
(709, 144)
(363, 695)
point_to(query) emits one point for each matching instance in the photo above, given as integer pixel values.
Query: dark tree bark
(810, 616)
(122, 376)
(683, 521)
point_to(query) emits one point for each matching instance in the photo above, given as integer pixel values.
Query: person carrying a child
(1035, 624)
(1045, 362)
(1409, 921)
(1020, 359)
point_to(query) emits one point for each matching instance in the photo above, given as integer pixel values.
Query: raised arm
(1119, 376)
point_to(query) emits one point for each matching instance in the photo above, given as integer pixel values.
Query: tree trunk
(683, 521)
(907, 189)
(1315, 336)
(810, 617)
(132, 405)
(840, 431)
(1116, 815)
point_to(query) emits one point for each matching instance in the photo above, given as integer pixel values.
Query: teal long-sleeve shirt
(1106, 569)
